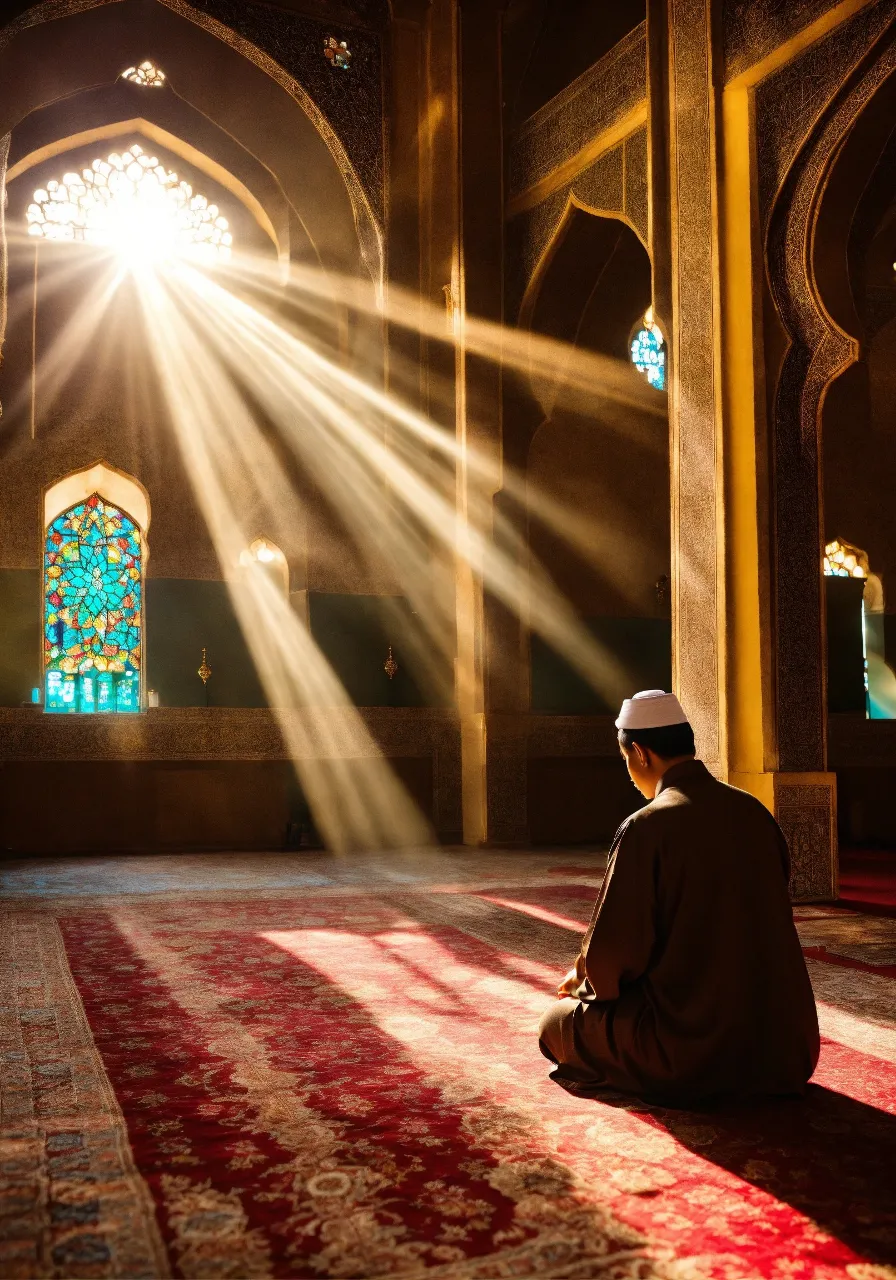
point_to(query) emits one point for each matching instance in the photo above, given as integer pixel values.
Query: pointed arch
(120, 488)
(362, 203)
(161, 138)
(818, 348)
(269, 557)
(553, 244)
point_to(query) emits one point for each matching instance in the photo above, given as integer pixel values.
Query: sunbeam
(261, 407)
(350, 437)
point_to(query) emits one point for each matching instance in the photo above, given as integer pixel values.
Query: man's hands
(570, 984)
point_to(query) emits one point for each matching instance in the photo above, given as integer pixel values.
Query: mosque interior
(389, 388)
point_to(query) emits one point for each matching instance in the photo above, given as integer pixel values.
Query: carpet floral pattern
(345, 1083)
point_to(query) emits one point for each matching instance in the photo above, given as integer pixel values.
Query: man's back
(694, 950)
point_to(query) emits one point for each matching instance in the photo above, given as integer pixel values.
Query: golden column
(724, 587)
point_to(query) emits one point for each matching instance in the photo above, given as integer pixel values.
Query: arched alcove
(270, 560)
(812, 377)
(820, 232)
(853, 265)
(76, 381)
(597, 473)
(211, 73)
(602, 450)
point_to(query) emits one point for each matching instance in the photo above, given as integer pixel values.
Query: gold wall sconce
(204, 671)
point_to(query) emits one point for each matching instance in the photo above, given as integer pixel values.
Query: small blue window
(648, 350)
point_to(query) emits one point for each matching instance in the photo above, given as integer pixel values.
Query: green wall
(354, 633)
(846, 650)
(183, 616)
(641, 646)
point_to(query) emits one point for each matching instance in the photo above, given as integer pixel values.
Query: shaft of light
(356, 799)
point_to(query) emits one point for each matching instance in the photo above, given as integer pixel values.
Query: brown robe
(694, 985)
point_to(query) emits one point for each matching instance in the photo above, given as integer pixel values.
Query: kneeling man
(690, 984)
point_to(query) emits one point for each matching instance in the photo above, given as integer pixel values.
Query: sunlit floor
(303, 1065)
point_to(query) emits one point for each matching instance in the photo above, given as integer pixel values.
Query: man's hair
(667, 742)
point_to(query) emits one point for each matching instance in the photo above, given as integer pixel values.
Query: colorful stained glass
(93, 586)
(337, 53)
(648, 351)
(843, 560)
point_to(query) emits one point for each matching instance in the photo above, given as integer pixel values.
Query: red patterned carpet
(342, 1080)
(868, 880)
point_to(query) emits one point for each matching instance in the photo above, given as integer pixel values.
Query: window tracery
(842, 560)
(93, 609)
(648, 350)
(145, 74)
(129, 199)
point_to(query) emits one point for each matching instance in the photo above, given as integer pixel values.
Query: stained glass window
(93, 586)
(147, 73)
(129, 200)
(337, 53)
(648, 350)
(841, 560)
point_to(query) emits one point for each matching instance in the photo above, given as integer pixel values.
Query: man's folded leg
(560, 1041)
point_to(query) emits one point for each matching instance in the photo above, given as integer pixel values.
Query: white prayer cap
(651, 709)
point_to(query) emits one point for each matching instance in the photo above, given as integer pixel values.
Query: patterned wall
(803, 113)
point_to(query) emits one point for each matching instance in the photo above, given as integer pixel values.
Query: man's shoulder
(674, 805)
(646, 819)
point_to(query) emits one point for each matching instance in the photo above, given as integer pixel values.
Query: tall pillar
(695, 402)
(489, 685)
(723, 527)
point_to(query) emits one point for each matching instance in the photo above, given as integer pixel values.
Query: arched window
(842, 560)
(270, 559)
(130, 203)
(648, 350)
(146, 74)
(865, 609)
(94, 562)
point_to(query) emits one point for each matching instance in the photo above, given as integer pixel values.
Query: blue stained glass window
(93, 598)
(648, 351)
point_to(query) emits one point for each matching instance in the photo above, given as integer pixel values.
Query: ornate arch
(602, 234)
(171, 142)
(116, 485)
(553, 242)
(367, 223)
(818, 349)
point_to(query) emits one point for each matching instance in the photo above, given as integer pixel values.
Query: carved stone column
(698, 546)
(492, 712)
(724, 569)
